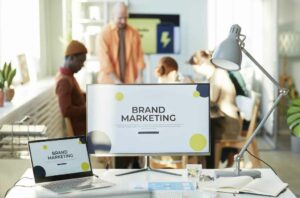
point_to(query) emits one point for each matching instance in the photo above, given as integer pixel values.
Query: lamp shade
(228, 54)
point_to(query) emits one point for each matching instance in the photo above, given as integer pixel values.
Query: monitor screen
(150, 119)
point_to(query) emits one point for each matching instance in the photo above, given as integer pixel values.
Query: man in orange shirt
(121, 54)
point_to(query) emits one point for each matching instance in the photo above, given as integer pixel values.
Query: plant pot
(295, 144)
(1, 98)
(9, 94)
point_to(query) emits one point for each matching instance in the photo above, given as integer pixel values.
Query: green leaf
(296, 131)
(4, 69)
(7, 71)
(293, 118)
(294, 124)
(1, 80)
(296, 102)
(292, 110)
(10, 77)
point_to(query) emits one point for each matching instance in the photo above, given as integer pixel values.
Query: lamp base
(252, 173)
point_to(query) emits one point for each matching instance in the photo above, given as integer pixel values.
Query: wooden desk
(125, 184)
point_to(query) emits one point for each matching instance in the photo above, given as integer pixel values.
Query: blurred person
(167, 71)
(70, 97)
(224, 111)
(121, 55)
(121, 59)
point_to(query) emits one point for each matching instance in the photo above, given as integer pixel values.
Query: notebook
(246, 184)
(63, 165)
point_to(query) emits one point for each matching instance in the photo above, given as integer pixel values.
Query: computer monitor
(148, 119)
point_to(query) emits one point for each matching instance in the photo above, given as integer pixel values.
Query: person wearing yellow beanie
(70, 98)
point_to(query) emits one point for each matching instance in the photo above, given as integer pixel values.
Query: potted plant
(293, 121)
(8, 74)
(1, 89)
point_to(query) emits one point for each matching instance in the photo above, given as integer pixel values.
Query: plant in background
(2, 81)
(8, 76)
(1, 89)
(293, 116)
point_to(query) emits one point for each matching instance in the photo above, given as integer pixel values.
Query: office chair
(249, 111)
(69, 128)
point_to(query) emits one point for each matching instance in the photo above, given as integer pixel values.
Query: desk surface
(125, 184)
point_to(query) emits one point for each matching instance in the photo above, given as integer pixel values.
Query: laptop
(63, 165)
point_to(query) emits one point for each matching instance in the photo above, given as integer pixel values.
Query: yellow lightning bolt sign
(165, 39)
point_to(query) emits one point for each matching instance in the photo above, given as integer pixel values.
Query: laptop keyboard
(68, 185)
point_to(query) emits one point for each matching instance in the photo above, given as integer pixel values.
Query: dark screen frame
(64, 176)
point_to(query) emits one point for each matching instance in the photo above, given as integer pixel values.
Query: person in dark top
(70, 97)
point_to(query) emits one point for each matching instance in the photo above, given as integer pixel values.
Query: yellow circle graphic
(85, 166)
(198, 142)
(196, 94)
(119, 96)
(45, 147)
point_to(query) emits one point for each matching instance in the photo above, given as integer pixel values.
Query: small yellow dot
(198, 142)
(85, 166)
(45, 147)
(119, 96)
(196, 94)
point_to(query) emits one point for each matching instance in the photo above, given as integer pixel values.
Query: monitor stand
(148, 168)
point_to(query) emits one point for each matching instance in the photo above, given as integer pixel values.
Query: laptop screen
(57, 159)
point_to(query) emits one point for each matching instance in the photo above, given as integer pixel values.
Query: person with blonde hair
(224, 111)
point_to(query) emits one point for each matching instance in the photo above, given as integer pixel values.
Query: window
(20, 32)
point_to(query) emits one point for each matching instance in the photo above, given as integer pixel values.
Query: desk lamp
(228, 56)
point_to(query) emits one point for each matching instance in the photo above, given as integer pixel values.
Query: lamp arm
(239, 156)
(261, 68)
(282, 92)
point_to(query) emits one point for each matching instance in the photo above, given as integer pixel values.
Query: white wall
(193, 24)
(1, 17)
(19, 32)
(270, 64)
(289, 19)
(51, 30)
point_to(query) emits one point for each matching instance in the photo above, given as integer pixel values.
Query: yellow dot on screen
(198, 142)
(85, 166)
(196, 94)
(119, 96)
(45, 147)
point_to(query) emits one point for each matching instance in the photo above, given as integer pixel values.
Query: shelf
(93, 1)
(91, 22)
(88, 19)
